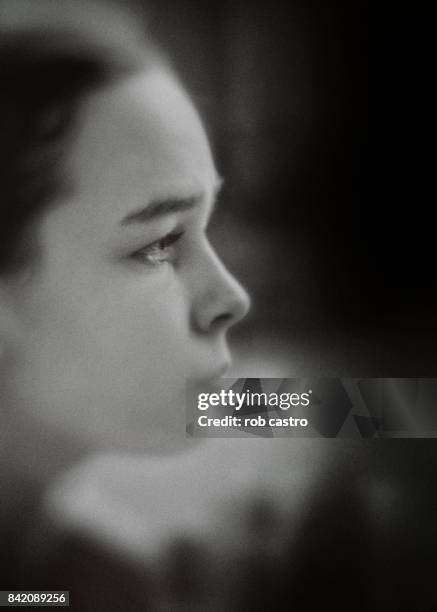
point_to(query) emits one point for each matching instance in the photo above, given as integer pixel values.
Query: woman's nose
(222, 301)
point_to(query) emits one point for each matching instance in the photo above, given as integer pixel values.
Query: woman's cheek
(108, 359)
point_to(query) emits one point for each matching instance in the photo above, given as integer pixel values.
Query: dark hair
(45, 72)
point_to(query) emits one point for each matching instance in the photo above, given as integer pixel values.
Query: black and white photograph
(218, 318)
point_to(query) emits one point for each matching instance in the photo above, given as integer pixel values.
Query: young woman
(110, 298)
(111, 295)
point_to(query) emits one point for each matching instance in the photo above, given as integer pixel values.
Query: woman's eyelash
(169, 239)
(160, 251)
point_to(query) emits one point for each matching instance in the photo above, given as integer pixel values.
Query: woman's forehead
(139, 138)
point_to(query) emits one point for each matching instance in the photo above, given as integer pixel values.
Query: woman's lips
(212, 375)
(221, 371)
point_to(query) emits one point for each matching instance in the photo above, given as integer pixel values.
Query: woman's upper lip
(219, 372)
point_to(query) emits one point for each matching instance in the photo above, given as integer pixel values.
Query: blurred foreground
(247, 524)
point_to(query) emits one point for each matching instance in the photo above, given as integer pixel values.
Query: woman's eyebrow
(167, 206)
(159, 208)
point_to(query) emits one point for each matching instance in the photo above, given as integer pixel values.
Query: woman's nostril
(234, 313)
(222, 320)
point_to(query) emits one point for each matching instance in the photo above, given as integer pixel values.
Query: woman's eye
(159, 252)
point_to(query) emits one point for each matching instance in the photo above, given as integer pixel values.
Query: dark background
(314, 110)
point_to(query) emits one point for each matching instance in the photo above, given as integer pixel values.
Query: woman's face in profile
(127, 299)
